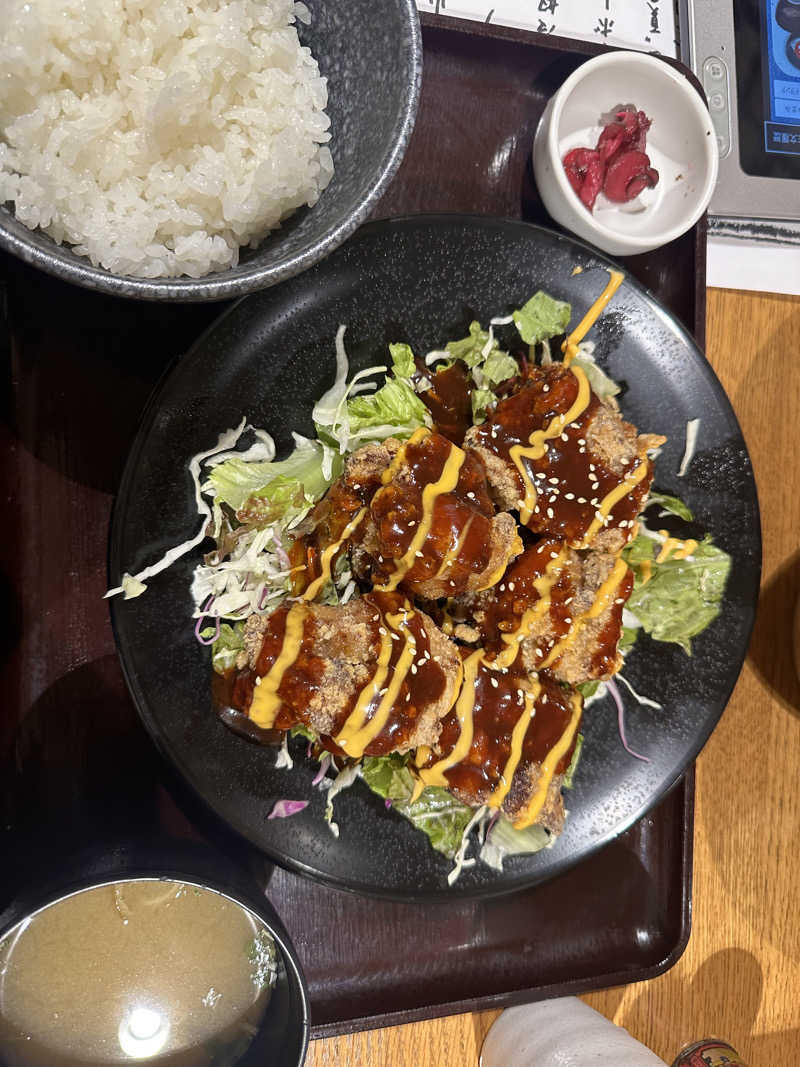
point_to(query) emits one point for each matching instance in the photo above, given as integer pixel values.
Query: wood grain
(740, 975)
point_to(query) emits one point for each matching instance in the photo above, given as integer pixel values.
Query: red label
(709, 1054)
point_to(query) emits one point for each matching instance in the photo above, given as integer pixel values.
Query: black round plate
(422, 280)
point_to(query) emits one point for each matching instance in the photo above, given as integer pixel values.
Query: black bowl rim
(59, 261)
(115, 870)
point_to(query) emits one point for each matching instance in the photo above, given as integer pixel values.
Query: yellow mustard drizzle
(537, 443)
(614, 497)
(548, 767)
(328, 555)
(605, 594)
(543, 585)
(646, 570)
(675, 548)
(515, 753)
(516, 549)
(358, 731)
(400, 455)
(266, 703)
(446, 483)
(464, 707)
(570, 347)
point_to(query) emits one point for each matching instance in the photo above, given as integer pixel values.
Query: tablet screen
(768, 84)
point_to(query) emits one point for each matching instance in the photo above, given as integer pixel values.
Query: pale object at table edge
(740, 264)
(564, 1032)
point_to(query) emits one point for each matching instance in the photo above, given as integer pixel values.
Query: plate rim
(121, 500)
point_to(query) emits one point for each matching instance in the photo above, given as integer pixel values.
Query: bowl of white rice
(198, 149)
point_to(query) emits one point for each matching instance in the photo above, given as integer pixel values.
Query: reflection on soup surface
(159, 972)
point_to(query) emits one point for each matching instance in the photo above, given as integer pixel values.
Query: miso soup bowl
(282, 1036)
(681, 144)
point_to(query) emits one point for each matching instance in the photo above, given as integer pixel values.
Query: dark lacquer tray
(75, 763)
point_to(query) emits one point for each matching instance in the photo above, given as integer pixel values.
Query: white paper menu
(648, 25)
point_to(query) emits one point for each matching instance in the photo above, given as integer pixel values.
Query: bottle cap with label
(709, 1053)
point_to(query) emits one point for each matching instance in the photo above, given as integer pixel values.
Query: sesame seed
(591, 466)
(413, 668)
(620, 600)
(544, 698)
(568, 600)
(258, 681)
(427, 654)
(502, 587)
(545, 388)
(594, 502)
(581, 440)
(599, 516)
(408, 697)
(581, 499)
(553, 481)
(581, 450)
(394, 636)
(412, 522)
(569, 496)
(568, 620)
(494, 682)
(381, 631)
(554, 555)
(471, 496)
(564, 437)
(511, 587)
(383, 691)
(549, 513)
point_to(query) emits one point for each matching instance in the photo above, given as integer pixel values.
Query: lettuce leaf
(278, 485)
(503, 840)
(347, 416)
(394, 407)
(541, 318)
(482, 400)
(672, 504)
(403, 363)
(599, 381)
(437, 813)
(470, 348)
(499, 367)
(682, 596)
(227, 646)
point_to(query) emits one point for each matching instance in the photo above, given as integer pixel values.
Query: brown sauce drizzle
(402, 511)
(571, 482)
(543, 576)
(450, 403)
(405, 661)
(496, 711)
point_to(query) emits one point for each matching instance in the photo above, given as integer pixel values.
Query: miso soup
(159, 972)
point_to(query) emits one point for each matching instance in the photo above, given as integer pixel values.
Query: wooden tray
(76, 766)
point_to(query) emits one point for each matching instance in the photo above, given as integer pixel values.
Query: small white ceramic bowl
(680, 143)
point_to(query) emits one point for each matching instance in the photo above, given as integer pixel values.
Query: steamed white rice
(159, 136)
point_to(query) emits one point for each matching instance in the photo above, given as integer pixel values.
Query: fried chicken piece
(557, 609)
(523, 733)
(374, 675)
(433, 529)
(586, 470)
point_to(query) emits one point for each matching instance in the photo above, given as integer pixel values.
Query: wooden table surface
(740, 976)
